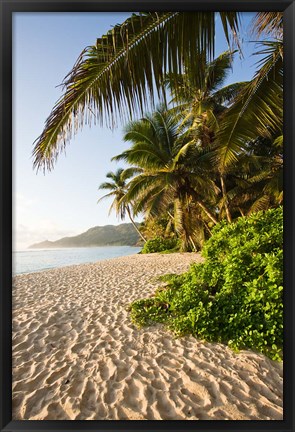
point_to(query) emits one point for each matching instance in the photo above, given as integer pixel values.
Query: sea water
(34, 260)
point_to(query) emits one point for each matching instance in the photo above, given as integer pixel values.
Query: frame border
(7, 8)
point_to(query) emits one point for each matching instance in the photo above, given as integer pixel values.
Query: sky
(63, 202)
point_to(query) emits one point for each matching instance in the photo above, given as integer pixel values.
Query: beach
(77, 355)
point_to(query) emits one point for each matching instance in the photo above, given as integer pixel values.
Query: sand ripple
(76, 354)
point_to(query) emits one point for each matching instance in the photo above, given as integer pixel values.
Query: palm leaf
(229, 93)
(130, 172)
(262, 203)
(108, 185)
(268, 23)
(217, 70)
(111, 194)
(120, 75)
(258, 109)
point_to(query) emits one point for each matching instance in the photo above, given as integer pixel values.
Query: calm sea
(33, 260)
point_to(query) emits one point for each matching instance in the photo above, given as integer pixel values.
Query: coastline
(37, 260)
(76, 354)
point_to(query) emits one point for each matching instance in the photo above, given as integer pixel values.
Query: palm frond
(217, 71)
(268, 24)
(228, 94)
(130, 172)
(262, 203)
(258, 108)
(144, 156)
(279, 142)
(141, 183)
(111, 194)
(119, 76)
(108, 186)
(157, 204)
(115, 175)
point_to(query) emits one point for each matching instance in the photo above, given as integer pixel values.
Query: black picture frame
(7, 8)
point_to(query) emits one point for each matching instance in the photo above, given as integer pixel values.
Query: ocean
(34, 260)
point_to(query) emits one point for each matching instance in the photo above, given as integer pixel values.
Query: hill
(108, 235)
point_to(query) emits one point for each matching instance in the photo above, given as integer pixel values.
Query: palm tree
(174, 177)
(118, 189)
(201, 100)
(118, 75)
(258, 109)
(255, 182)
(231, 118)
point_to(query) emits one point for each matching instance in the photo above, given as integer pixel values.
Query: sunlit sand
(76, 354)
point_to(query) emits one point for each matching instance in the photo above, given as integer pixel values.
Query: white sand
(76, 355)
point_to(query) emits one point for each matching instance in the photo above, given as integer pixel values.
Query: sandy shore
(76, 354)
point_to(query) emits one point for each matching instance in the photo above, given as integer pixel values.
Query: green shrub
(160, 244)
(235, 296)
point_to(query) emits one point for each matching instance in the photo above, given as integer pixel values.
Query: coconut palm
(268, 24)
(164, 42)
(231, 117)
(258, 108)
(201, 100)
(118, 75)
(118, 189)
(175, 177)
(255, 182)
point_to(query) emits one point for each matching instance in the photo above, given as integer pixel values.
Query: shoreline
(76, 354)
(19, 264)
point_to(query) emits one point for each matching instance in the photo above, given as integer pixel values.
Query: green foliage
(129, 53)
(235, 296)
(160, 244)
(157, 226)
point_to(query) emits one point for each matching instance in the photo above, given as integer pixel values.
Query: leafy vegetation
(205, 170)
(235, 296)
(117, 185)
(213, 152)
(172, 178)
(163, 41)
(160, 244)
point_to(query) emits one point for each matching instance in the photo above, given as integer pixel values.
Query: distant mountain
(108, 235)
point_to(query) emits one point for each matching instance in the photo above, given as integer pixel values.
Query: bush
(235, 296)
(160, 244)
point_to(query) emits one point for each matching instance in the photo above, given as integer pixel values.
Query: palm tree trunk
(208, 229)
(208, 213)
(201, 205)
(195, 196)
(134, 224)
(193, 244)
(241, 211)
(225, 200)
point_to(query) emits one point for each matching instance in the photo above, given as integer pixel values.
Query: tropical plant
(158, 226)
(235, 296)
(138, 52)
(118, 189)
(257, 110)
(201, 102)
(174, 177)
(160, 244)
(200, 98)
(255, 181)
(269, 24)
